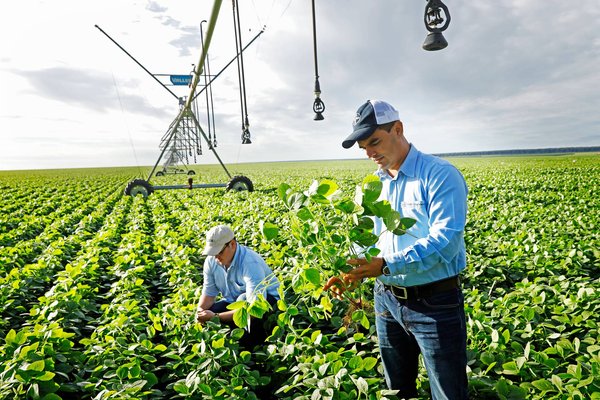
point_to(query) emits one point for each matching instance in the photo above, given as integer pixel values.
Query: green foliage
(99, 290)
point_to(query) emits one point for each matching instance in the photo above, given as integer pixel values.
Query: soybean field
(99, 289)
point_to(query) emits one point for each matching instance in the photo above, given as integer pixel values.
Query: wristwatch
(384, 267)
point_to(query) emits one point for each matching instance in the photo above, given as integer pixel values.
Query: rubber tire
(240, 183)
(159, 173)
(139, 186)
(191, 172)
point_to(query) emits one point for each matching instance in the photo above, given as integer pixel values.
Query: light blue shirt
(434, 193)
(247, 276)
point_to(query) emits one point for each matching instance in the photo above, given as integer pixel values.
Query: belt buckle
(402, 296)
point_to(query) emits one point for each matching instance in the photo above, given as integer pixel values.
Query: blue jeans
(434, 327)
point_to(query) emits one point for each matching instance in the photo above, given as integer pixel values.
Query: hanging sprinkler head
(318, 105)
(437, 19)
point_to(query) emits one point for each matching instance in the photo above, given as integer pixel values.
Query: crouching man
(236, 273)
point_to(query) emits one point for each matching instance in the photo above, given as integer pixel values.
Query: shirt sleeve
(209, 287)
(446, 193)
(254, 278)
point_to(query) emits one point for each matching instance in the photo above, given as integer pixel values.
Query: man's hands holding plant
(204, 315)
(351, 279)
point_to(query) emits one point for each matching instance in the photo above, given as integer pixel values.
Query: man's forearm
(205, 302)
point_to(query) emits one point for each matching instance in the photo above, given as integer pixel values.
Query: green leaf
(122, 372)
(151, 379)
(46, 376)
(362, 385)
(304, 214)
(506, 336)
(36, 366)
(317, 198)
(348, 206)
(365, 322)
(327, 188)
(312, 188)
(380, 208)
(240, 317)
(180, 387)
(160, 347)
(257, 309)
(268, 230)
(134, 371)
(363, 238)
(296, 201)
(495, 336)
(236, 305)
(206, 389)
(510, 368)
(543, 385)
(371, 189)
(373, 251)
(283, 191)
(392, 220)
(218, 343)
(10, 336)
(369, 363)
(312, 275)
(486, 358)
(358, 315)
(407, 223)
(365, 223)
(557, 381)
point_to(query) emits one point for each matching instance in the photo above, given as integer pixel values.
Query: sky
(517, 74)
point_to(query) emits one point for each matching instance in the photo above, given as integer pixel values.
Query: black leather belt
(421, 291)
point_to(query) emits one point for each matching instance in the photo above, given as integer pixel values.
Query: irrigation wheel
(239, 183)
(139, 186)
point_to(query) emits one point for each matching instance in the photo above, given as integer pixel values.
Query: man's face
(225, 256)
(384, 148)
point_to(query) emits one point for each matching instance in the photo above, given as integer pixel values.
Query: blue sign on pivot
(181, 79)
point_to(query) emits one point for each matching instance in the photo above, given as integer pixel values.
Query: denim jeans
(434, 327)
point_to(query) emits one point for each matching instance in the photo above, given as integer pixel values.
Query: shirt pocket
(416, 209)
(413, 209)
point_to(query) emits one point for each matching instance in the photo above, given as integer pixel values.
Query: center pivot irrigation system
(184, 135)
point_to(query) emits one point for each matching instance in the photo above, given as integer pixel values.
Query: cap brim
(211, 251)
(357, 135)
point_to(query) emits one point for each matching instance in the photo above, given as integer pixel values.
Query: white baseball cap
(216, 239)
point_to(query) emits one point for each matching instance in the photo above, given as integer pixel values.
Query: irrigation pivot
(184, 135)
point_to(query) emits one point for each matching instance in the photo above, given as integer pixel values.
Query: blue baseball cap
(368, 117)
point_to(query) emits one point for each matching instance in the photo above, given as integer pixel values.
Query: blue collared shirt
(247, 276)
(434, 193)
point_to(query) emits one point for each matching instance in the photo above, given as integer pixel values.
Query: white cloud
(516, 74)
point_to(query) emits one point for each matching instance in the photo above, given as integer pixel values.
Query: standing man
(418, 300)
(236, 273)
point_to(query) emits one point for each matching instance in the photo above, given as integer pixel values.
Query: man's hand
(204, 315)
(365, 269)
(338, 286)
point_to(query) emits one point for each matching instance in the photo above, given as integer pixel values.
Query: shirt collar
(237, 255)
(408, 167)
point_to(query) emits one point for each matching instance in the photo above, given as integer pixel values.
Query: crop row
(112, 316)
